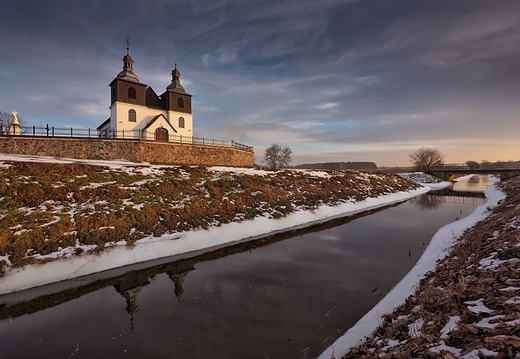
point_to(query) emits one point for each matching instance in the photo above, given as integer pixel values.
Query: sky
(334, 80)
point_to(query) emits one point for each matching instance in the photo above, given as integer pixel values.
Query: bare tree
(473, 165)
(424, 159)
(5, 121)
(277, 156)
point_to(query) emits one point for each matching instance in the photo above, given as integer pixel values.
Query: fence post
(47, 128)
(52, 131)
(89, 132)
(34, 130)
(71, 132)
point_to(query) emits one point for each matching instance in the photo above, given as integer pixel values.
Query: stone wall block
(130, 150)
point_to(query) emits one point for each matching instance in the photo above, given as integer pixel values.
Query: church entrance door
(161, 134)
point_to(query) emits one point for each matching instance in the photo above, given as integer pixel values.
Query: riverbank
(467, 306)
(66, 218)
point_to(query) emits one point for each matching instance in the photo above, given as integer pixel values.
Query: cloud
(337, 77)
(326, 106)
(206, 59)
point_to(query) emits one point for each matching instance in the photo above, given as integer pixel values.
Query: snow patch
(443, 347)
(414, 329)
(477, 306)
(449, 327)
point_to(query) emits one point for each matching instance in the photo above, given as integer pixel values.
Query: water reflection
(476, 183)
(434, 199)
(130, 284)
(284, 296)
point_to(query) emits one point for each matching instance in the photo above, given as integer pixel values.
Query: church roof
(106, 122)
(128, 72)
(176, 86)
(128, 66)
(153, 120)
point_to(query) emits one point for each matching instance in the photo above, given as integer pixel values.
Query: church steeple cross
(128, 71)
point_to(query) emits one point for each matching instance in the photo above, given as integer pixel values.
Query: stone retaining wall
(131, 150)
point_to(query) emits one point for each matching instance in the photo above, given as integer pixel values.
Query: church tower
(136, 111)
(126, 86)
(128, 94)
(178, 103)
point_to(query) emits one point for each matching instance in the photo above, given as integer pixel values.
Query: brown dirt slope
(67, 209)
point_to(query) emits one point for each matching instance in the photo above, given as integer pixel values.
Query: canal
(286, 296)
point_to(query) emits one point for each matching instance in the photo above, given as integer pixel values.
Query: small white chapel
(136, 111)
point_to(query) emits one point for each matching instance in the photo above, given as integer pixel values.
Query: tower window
(180, 102)
(132, 116)
(181, 122)
(131, 92)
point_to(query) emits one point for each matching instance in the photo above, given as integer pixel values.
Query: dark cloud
(353, 80)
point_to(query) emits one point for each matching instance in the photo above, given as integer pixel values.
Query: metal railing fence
(71, 132)
(483, 166)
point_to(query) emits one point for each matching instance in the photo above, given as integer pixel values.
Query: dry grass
(46, 207)
(461, 277)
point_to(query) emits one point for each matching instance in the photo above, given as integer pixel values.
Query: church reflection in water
(131, 286)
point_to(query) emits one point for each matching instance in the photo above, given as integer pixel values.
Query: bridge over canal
(502, 170)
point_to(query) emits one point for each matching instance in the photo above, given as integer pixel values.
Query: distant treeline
(339, 166)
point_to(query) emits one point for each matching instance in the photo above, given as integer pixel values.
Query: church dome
(128, 71)
(128, 66)
(176, 86)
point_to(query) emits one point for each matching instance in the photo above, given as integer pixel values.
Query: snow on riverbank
(151, 248)
(437, 249)
(428, 180)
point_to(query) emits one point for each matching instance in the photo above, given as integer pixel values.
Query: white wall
(119, 119)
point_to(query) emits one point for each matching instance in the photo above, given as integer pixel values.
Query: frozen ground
(152, 248)
(429, 180)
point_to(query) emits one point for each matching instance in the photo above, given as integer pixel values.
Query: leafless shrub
(277, 156)
(424, 159)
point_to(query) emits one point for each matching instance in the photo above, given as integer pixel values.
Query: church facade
(136, 111)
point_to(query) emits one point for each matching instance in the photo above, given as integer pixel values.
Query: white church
(136, 111)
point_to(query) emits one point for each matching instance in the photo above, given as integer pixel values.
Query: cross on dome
(128, 63)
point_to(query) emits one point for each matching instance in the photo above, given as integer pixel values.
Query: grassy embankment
(48, 207)
(469, 306)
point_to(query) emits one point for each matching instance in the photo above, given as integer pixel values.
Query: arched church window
(132, 116)
(131, 92)
(181, 122)
(180, 102)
